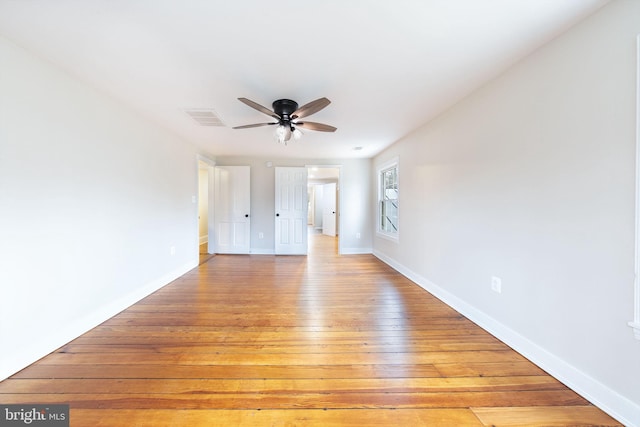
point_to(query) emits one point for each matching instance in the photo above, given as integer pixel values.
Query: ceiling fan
(288, 115)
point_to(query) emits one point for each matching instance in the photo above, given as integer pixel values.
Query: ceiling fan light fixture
(283, 134)
(279, 134)
(287, 113)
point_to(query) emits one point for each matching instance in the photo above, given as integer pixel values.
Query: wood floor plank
(289, 347)
(481, 369)
(90, 372)
(282, 321)
(544, 416)
(254, 358)
(303, 339)
(279, 418)
(243, 385)
(319, 340)
(124, 334)
(298, 400)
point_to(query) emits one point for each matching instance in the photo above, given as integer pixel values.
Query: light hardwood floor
(321, 340)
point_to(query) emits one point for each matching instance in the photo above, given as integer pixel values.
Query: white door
(329, 209)
(318, 207)
(291, 211)
(232, 207)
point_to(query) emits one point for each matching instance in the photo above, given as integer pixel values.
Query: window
(388, 199)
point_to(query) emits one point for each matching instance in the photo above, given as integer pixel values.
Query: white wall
(92, 197)
(531, 179)
(355, 211)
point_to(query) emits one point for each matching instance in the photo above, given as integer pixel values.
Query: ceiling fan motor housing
(284, 108)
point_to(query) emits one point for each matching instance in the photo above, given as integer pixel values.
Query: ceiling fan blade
(310, 108)
(259, 107)
(256, 125)
(316, 126)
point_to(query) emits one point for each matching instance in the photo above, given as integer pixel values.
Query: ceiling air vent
(204, 117)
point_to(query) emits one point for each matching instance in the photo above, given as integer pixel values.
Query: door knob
(277, 214)
(246, 215)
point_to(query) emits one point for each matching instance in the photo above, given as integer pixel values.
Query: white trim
(49, 343)
(206, 160)
(388, 164)
(340, 204)
(355, 251)
(616, 405)
(204, 239)
(635, 324)
(210, 197)
(342, 251)
(387, 236)
(262, 252)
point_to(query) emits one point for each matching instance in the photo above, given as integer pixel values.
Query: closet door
(231, 209)
(329, 210)
(291, 211)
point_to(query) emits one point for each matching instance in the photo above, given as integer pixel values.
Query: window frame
(380, 169)
(635, 323)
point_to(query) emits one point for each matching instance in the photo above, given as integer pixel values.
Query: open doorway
(323, 184)
(205, 210)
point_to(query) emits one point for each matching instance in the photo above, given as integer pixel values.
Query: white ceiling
(387, 66)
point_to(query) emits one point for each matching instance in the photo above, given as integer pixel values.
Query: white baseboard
(355, 251)
(49, 343)
(204, 239)
(343, 251)
(262, 251)
(607, 399)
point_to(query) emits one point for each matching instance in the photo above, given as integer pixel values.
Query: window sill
(386, 236)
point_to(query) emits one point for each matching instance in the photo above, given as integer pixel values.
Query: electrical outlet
(261, 235)
(172, 250)
(357, 235)
(496, 284)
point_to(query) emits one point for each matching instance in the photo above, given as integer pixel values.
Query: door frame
(340, 204)
(211, 245)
